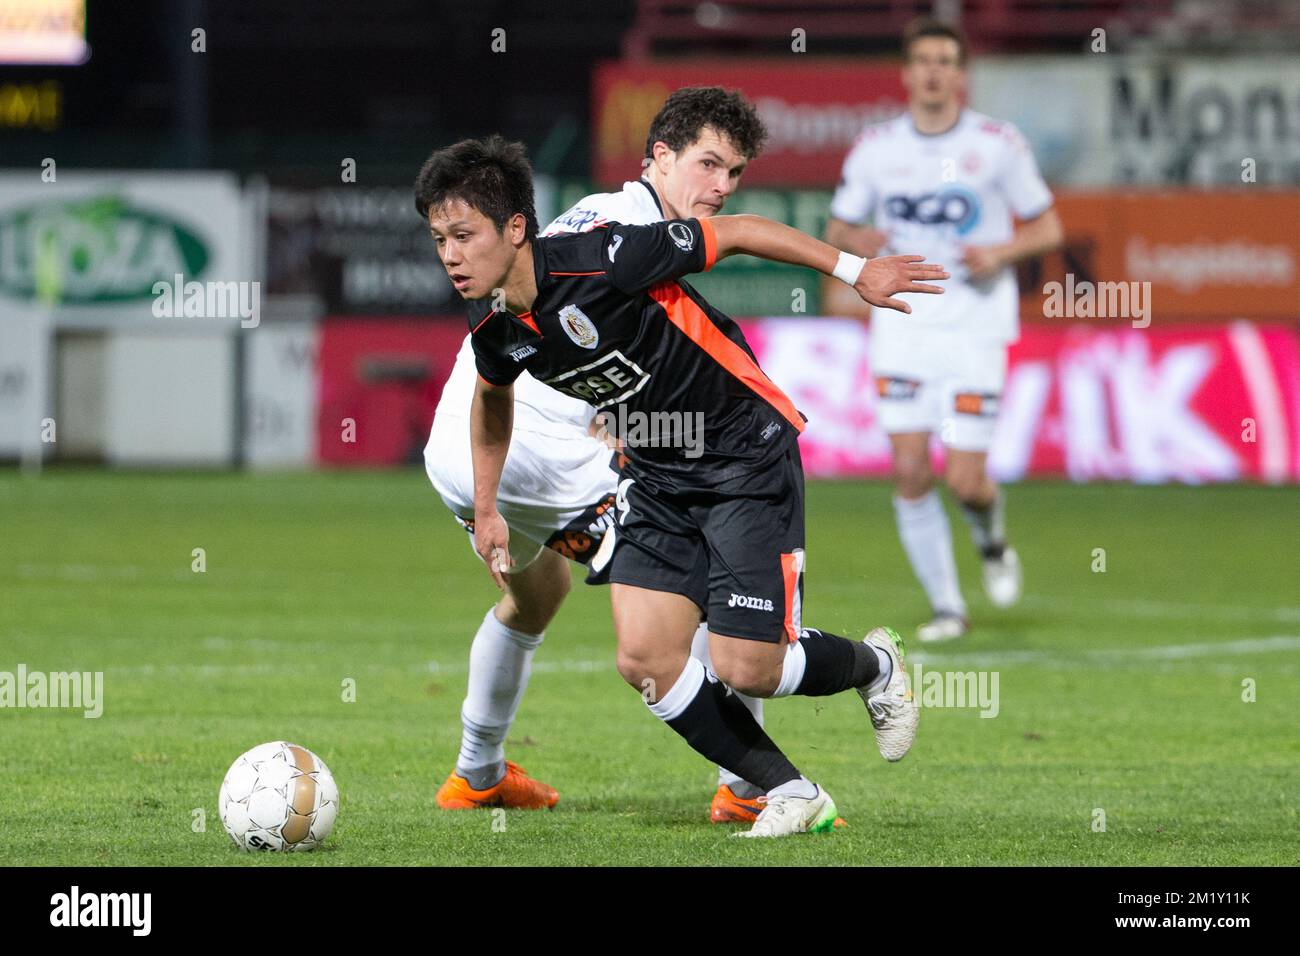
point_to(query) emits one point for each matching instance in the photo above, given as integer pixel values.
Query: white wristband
(849, 268)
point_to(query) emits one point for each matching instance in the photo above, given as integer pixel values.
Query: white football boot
(787, 815)
(1002, 578)
(944, 626)
(894, 714)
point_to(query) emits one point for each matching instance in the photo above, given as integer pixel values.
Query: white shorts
(555, 492)
(928, 381)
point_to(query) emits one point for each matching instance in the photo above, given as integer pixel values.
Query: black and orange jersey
(613, 325)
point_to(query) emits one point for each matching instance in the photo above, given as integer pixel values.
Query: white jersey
(540, 408)
(934, 195)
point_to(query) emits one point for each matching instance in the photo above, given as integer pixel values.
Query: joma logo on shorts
(743, 600)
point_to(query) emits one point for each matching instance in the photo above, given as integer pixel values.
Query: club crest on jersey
(578, 327)
(682, 236)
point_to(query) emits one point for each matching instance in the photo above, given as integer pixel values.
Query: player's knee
(912, 475)
(969, 486)
(755, 678)
(629, 668)
(534, 597)
(637, 665)
(522, 616)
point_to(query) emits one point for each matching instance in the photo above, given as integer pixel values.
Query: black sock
(717, 725)
(835, 664)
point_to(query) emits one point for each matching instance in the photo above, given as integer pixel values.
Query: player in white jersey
(949, 183)
(558, 485)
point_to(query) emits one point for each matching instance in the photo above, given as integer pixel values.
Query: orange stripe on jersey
(692, 320)
(600, 273)
(710, 244)
(791, 568)
(526, 318)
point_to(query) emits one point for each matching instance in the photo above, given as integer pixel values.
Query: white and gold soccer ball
(278, 796)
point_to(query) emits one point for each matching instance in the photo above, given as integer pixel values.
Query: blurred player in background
(558, 487)
(944, 181)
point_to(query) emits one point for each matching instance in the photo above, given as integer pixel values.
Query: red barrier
(813, 112)
(380, 380)
(1190, 403)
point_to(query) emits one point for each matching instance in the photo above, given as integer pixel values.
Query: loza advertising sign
(98, 247)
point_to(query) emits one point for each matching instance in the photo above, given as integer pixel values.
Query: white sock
(683, 691)
(886, 672)
(927, 539)
(499, 663)
(799, 787)
(700, 651)
(792, 669)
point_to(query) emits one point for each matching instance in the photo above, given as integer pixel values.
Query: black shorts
(736, 549)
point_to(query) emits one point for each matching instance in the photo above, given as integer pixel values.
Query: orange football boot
(729, 808)
(516, 791)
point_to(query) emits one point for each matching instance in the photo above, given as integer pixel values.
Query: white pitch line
(1143, 607)
(1280, 643)
(1087, 604)
(1104, 655)
(1096, 657)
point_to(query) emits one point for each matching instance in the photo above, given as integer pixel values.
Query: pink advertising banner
(1195, 403)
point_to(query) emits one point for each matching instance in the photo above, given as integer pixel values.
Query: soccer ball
(278, 796)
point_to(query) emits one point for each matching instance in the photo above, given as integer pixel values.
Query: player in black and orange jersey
(708, 523)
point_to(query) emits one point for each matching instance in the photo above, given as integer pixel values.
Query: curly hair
(682, 119)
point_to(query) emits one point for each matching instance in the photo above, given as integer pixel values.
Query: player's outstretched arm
(875, 280)
(491, 422)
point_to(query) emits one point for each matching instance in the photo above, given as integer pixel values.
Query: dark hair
(490, 175)
(931, 27)
(684, 115)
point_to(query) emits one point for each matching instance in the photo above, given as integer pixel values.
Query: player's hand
(983, 262)
(597, 429)
(492, 542)
(883, 278)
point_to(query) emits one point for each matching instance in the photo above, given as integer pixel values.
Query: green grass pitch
(1120, 692)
